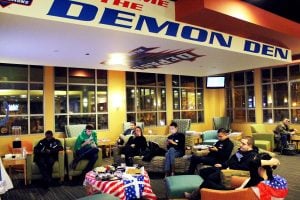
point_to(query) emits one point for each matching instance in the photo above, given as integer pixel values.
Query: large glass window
(146, 98)
(240, 98)
(80, 97)
(22, 94)
(280, 91)
(188, 98)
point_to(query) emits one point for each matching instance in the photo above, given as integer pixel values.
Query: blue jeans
(170, 158)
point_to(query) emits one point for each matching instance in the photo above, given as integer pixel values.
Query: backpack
(290, 149)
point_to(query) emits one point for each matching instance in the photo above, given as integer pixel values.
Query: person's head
(266, 170)
(222, 134)
(138, 131)
(132, 125)
(247, 143)
(173, 127)
(88, 129)
(48, 135)
(286, 121)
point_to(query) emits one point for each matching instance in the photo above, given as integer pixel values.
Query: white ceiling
(25, 40)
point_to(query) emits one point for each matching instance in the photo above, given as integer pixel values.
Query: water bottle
(24, 152)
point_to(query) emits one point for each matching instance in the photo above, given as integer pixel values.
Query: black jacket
(47, 148)
(224, 150)
(179, 138)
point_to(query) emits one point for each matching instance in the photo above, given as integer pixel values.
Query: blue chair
(210, 137)
(183, 125)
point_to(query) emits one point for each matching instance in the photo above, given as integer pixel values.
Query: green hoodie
(83, 137)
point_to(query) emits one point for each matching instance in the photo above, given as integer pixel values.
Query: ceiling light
(117, 59)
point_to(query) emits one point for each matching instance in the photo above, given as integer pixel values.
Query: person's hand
(218, 165)
(213, 148)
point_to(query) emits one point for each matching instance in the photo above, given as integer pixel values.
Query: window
(22, 87)
(240, 99)
(188, 98)
(281, 93)
(146, 98)
(80, 97)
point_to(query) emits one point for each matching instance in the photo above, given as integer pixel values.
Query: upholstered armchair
(221, 122)
(209, 137)
(69, 145)
(262, 138)
(126, 125)
(74, 130)
(33, 171)
(183, 125)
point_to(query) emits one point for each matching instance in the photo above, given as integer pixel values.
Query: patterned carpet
(71, 190)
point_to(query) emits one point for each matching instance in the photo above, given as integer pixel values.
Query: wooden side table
(10, 162)
(296, 138)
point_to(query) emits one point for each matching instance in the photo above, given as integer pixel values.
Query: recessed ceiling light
(87, 54)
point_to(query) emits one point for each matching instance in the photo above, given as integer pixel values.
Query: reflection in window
(146, 100)
(24, 98)
(78, 99)
(188, 98)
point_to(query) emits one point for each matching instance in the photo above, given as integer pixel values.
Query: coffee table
(120, 188)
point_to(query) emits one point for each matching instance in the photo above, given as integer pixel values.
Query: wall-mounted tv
(215, 82)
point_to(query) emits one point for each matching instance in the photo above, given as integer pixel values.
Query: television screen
(13, 107)
(215, 82)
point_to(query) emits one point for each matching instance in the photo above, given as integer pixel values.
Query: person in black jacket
(45, 154)
(135, 146)
(219, 153)
(176, 148)
(241, 160)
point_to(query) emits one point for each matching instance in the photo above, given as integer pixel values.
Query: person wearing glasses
(218, 153)
(282, 133)
(86, 147)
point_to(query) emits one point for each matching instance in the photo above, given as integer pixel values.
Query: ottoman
(177, 185)
(99, 196)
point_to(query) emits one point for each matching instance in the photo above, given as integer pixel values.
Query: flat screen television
(215, 82)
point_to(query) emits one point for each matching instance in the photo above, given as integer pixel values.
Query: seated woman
(262, 182)
(135, 146)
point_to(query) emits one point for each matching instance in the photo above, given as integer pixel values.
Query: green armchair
(69, 144)
(262, 138)
(33, 171)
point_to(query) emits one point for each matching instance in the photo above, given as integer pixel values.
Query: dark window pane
(130, 99)
(60, 122)
(279, 74)
(37, 73)
(188, 100)
(131, 117)
(239, 78)
(189, 115)
(280, 114)
(103, 121)
(162, 118)
(176, 115)
(36, 125)
(239, 97)
(175, 80)
(228, 97)
(83, 119)
(36, 99)
(145, 79)
(249, 77)
(101, 98)
(146, 99)
(199, 82)
(267, 101)
(60, 74)
(200, 116)
(77, 75)
(60, 98)
(101, 76)
(228, 80)
(188, 81)
(81, 98)
(149, 119)
(161, 99)
(266, 75)
(176, 99)
(295, 94)
(13, 72)
(267, 116)
(251, 116)
(130, 78)
(295, 116)
(239, 115)
(161, 80)
(280, 95)
(19, 121)
(295, 72)
(250, 97)
(200, 99)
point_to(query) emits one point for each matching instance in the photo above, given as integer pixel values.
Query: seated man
(129, 131)
(240, 160)
(284, 132)
(219, 153)
(45, 154)
(86, 147)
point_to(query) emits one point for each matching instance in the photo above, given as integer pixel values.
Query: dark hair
(140, 129)
(173, 124)
(250, 141)
(133, 122)
(223, 130)
(89, 127)
(49, 132)
(269, 169)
